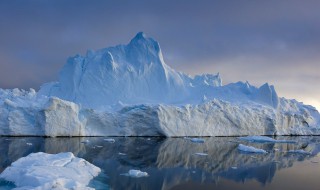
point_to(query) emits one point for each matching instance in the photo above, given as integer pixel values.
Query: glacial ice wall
(55, 117)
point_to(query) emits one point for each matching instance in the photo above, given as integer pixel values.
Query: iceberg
(128, 90)
(51, 171)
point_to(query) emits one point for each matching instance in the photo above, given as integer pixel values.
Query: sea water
(179, 163)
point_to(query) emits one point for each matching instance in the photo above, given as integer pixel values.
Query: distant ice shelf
(128, 90)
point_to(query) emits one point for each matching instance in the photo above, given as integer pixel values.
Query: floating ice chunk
(98, 146)
(251, 149)
(299, 151)
(201, 154)
(263, 139)
(315, 162)
(85, 141)
(234, 167)
(50, 171)
(137, 173)
(196, 140)
(29, 144)
(110, 140)
(122, 154)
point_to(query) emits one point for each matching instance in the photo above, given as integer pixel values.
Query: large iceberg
(128, 90)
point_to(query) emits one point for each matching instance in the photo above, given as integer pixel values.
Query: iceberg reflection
(169, 161)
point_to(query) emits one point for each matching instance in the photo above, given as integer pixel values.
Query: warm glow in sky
(259, 41)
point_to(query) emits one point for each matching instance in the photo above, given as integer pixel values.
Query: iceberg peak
(140, 35)
(141, 41)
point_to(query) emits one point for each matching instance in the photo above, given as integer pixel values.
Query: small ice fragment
(264, 139)
(276, 149)
(254, 157)
(234, 167)
(85, 141)
(201, 154)
(137, 173)
(193, 172)
(30, 144)
(148, 139)
(120, 153)
(276, 161)
(312, 161)
(299, 152)
(250, 149)
(98, 146)
(197, 140)
(109, 140)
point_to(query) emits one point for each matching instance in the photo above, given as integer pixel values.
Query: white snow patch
(50, 171)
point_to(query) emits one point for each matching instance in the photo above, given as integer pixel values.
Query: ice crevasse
(128, 90)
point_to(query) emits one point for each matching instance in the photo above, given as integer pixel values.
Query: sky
(274, 41)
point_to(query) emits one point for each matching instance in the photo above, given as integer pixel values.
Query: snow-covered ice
(263, 139)
(251, 149)
(41, 171)
(136, 173)
(128, 90)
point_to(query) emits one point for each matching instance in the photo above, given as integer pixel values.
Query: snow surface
(251, 149)
(128, 90)
(41, 171)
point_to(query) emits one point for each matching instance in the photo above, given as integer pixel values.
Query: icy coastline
(128, 90)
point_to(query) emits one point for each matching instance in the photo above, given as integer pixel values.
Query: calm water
(172, 163)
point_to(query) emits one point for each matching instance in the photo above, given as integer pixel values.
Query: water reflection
(169, 161)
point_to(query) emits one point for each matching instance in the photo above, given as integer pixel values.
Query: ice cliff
(128, 90)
